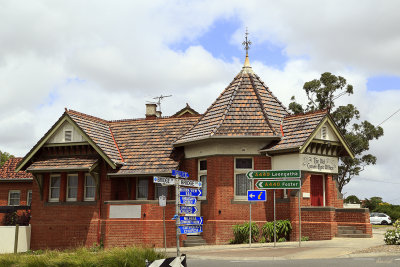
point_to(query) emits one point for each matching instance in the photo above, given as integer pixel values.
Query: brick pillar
(81, 186)
(63, 186)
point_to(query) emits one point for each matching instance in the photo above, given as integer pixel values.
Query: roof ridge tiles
(307, 113)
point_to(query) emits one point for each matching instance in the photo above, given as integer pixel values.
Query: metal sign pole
(177, 216)
(250, 227)
(274, 221)
(165, 231)
(299, 216)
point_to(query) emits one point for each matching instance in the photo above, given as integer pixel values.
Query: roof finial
(246, 45)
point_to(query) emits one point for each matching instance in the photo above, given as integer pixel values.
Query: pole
(300, 216)
(274, 221)
(16, 239)
(250, 226)
(165, 232)
(177, 216)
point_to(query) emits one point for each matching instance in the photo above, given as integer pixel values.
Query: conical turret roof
(246, 108)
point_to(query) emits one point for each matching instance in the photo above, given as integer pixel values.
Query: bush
(12, 218)
(392, 237)
(305, 238)
(396, 224)
(241, 233)
(283, 230)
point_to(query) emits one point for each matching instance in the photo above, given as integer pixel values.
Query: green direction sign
(278, 184)
(275, 174)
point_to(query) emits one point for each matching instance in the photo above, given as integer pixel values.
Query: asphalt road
(344, 262)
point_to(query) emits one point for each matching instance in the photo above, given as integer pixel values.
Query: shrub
(305, 238)
(283, 230)
(396, 224)
(241, 233)
(392, 237)
(12, 218)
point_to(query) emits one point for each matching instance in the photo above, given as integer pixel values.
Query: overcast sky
(108, 58)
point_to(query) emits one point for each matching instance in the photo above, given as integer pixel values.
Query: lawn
(132, 256)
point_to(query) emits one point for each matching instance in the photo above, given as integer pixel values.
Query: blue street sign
(191, 220)
(191, 229)
(190, 192)
(188, 209)
(180, 174)
(256, 195)
(187, 200)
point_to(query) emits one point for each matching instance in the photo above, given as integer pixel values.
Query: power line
(389, 117)
(372, 180)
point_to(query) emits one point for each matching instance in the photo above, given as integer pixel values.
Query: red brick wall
(354, 217)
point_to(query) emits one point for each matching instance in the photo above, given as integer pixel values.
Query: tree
(372, 203)
(322, 94)
(4, 156)
(352, 200)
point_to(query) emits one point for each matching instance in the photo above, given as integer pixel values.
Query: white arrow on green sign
(278, 184)
(273, 174)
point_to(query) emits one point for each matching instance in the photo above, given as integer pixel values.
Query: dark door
(317, 190)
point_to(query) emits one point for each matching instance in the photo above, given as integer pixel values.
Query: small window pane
(244, 163)
(90, 191)
(14, 198)
(203, 180)
(55, 193)
(55, 188)
(242, 184)
(68, 136)
(161, 190)
(143, 188)
(90, 188)
(29, 198)
(203, 165)
(72, 187)
(55, 181)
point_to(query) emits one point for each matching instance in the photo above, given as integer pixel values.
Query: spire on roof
(246, 43)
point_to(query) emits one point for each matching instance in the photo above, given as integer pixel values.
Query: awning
(63, 164)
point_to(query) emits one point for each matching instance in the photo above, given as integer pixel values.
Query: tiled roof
(297, 129)
(98, 130)
(62, 164)
(7, 171)
(245, 108)
(146, 145)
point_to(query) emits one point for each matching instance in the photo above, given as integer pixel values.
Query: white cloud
(108, 58)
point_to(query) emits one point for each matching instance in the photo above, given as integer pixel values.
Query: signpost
(275, 174)
(278, 184)
(190, 192)
(276, 179)
(191, 220)
(185, 198)
(162, 200)
(190, 229)
(188, 209)
(255, 195)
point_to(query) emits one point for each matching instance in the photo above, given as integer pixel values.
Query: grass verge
(132, 256)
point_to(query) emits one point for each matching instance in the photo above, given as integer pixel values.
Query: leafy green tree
(4, 156)
(322, 94)
(352, 200)
(372, 203)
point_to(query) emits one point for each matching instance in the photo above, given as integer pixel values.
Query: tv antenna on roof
(161, 97)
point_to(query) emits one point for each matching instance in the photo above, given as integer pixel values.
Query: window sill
(240, 201)
(138, 201)
(71, 203)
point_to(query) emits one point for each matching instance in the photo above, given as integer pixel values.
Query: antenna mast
(159, 98)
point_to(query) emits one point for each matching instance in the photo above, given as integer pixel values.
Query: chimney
(151, 111)
(158, 114)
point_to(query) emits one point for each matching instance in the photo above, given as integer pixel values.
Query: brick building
(93, 178)
(15, 188)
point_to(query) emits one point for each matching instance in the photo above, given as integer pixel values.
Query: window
(67, 135)
(29, 197)
(242, 184)
(203, 177)
(72, 187)
(54, 188)
(142, 188)
(90, 188)
(161, 190)
(14, 197)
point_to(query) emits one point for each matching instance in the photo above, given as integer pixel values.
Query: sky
(109, 58)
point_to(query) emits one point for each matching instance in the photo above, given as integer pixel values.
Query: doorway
(317, 190)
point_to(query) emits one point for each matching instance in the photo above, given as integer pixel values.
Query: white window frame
(242, 171)
(9, 197)
(55, 199)
(199, 174)
(68, 187)
(324, 133)
(29, 192)
(137, 189)
(72, 134)
(85, 198)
